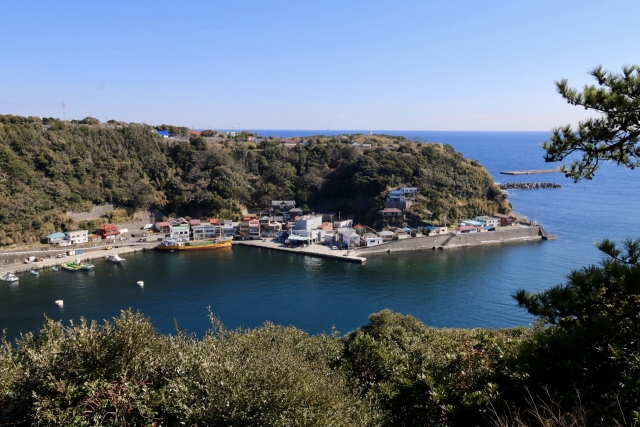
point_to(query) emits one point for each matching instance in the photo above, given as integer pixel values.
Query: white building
(311, 236)
(387, 235)
(205, 231)
(179, 232)
(373, 241)
(397, 196)
(330, 238)
(489, 221)
(77, 236)
(308, 222)
(351, 240)
(437, 229)
(409, 191)
(344, 223)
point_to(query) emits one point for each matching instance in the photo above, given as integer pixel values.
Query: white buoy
(140, 283)
(59, 303)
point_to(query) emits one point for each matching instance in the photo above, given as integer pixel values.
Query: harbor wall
(477, 239)
(412, 244)
(13, 262)
(455, 241)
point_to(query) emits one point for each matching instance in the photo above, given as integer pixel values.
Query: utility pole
(64, 112)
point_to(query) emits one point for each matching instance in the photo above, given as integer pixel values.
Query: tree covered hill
(45, 173)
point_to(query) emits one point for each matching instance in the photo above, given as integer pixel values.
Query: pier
(314, 250)
(86, 255)
(530, 172)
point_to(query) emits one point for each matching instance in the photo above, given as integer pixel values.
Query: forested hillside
(43, 174)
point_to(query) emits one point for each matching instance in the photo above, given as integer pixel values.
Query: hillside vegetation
(44, 174)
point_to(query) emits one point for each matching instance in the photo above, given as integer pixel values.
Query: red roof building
(108, 230)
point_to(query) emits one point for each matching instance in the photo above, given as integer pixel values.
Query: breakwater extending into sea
(528, 185)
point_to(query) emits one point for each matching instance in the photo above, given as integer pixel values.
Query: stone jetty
(528, 185)
(530, 172)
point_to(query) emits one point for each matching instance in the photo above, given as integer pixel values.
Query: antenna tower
(64, 112)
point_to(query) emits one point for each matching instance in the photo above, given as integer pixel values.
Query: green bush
(421, 376)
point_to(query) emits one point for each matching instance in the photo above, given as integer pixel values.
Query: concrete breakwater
(530, 172)
(450, 241)
(528, 185)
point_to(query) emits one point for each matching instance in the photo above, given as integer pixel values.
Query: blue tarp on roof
(163, 132)
(57, 235)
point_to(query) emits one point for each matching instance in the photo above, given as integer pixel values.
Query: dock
(530, 172)
(314, 250)
(86, 255)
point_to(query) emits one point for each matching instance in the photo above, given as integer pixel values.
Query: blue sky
(405, 65)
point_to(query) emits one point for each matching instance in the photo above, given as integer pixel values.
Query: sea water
(246, 286)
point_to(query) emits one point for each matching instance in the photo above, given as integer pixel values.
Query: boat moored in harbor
(9, 277)
(115, 258)
(194, 245)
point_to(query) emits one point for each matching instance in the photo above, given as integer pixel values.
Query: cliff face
(44, 174)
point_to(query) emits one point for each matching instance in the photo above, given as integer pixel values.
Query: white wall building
(310, 235)
(308, 222)
(351, 240)
(180, 232)
(489, 221)
(409, 191)
(373, 241)
(329, 238)
(387, 235)
(205, 231)
(345, 223)
(77, 236)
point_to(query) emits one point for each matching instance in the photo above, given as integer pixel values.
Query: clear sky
(330, 64)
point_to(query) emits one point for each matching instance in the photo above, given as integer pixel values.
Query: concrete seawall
(406, 245)
(477, 239)
(448, 241)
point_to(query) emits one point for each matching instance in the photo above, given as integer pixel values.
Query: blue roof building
(163, 133)
(56, 237)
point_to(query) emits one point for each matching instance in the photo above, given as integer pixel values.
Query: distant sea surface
(457, 288)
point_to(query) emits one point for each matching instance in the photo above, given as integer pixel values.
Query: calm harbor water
(459, 288)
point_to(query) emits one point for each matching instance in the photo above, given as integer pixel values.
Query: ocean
(246, 287)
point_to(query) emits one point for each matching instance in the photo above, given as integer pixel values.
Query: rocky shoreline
(528, 185)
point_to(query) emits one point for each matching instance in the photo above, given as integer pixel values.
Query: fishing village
(284, 227)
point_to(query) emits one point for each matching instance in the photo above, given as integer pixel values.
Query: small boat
(9, 277)
(35, 273)
(115, 258)
(86, 266)
(54, 268)
(70, 266)
(59, 303)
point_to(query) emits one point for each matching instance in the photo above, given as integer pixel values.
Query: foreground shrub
(426, 376)
(124, 372)
(589, 346)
